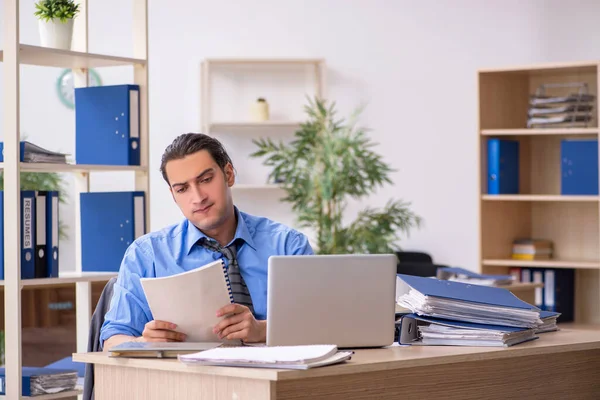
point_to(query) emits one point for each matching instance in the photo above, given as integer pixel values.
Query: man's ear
(229, 174)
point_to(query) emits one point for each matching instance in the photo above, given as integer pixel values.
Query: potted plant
(56, 22)
(329, 162)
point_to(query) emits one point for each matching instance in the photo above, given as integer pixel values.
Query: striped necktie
(239, 290)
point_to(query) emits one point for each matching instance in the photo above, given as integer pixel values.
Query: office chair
(94, 343)
(416, 263)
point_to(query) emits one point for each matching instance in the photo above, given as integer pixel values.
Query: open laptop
(346, 300)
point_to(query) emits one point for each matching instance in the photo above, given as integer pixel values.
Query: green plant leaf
(329, 161)
(62, 10)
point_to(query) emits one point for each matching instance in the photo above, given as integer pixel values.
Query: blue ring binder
(227, 281)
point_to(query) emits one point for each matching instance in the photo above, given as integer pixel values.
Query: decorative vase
(56, 34)
(259, 111)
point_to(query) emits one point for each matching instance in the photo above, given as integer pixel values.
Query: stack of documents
(159, 349)
(463, 275)
(549, 322)
(284, 357)
(32, 153)
(463, 302)
(435, 331)
(40, 381)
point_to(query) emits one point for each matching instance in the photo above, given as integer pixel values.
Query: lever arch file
(503, 166)
(107, 125)
(110, 222)
(465, 302)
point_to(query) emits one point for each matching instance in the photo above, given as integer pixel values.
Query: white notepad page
(190, 300)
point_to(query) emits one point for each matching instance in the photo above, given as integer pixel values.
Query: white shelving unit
(13, 54)
(315, 68)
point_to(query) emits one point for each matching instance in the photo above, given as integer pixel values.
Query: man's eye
(181, 190)
(206, 180)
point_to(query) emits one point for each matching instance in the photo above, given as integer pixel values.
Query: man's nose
(198, 194)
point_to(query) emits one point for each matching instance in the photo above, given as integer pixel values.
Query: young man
(200, 175)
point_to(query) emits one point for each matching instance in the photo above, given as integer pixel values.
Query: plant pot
(56, 34)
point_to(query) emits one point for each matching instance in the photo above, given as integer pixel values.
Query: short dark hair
(190, 143)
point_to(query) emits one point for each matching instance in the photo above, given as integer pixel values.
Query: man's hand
(240, 324)
(161, 331)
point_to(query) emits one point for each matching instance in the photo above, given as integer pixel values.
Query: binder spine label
(27, 221)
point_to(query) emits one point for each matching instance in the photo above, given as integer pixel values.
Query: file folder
(110, 222)
(52, 226)
(28, 233)
(503, 166)
(579, 167)
(464, 302)
(107, 125)
(41, 249)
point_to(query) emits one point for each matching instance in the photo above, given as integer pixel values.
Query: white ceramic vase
(259, 111)
(56, 34)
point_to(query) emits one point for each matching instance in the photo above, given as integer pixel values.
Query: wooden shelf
(256, 187)
(262, 61)
(49, 167)
(540, 132)
(65, 278)
(538, 197)
(508, 262)
(48, 57)
(254, 125)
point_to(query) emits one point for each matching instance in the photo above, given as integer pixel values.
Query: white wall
(413, 63)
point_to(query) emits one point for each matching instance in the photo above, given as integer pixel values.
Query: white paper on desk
(190, 300)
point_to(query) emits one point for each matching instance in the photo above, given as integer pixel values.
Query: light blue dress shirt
(173, 250)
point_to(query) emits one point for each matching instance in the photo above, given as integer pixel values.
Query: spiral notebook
(191, 300)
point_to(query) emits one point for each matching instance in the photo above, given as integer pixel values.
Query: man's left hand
(240, 324)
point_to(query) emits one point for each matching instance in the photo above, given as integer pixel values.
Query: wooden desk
(564, 364)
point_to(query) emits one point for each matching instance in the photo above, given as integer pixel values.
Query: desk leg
(115, 382)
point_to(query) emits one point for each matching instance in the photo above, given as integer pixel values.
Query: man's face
(201, 189)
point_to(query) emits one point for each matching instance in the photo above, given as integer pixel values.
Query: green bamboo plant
(329, 162)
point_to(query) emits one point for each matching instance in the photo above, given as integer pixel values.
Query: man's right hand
(161, 331)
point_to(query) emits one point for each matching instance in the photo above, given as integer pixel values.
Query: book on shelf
(528, 249)
(32, 153)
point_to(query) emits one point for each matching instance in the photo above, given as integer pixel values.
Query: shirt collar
(241, 232)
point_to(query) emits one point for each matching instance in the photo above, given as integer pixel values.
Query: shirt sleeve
(129, 311)
(297, 244)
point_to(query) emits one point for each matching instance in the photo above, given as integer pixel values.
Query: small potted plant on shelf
(56, 22)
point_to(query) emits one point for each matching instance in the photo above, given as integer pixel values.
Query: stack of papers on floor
(549, 322)
(284, 357)
(435, 331)
(464, 275)
(459, 301)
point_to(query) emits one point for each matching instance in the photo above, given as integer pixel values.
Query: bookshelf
(539, 209)
(244, 79)
(13, 54)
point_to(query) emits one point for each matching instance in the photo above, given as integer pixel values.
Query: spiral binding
(227, 281)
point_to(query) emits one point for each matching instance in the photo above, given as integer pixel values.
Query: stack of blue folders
(461, 314)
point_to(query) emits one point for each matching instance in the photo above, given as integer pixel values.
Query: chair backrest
(414, 257)
(94, 343)
(417, 269)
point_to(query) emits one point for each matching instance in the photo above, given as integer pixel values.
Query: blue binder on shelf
(41, 249)
(28, 232)
(52, 226)
(579, 167)
(503, 166)
(110, 222)
(107, 125)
